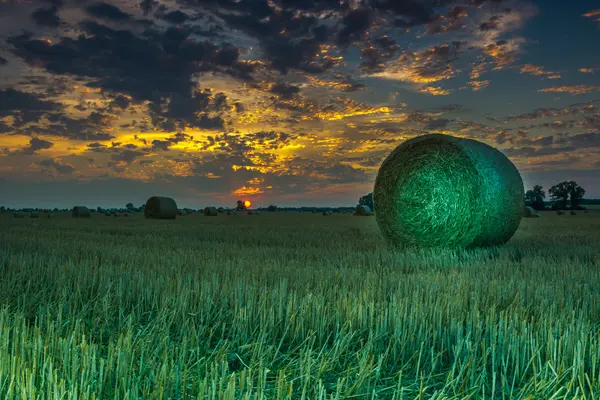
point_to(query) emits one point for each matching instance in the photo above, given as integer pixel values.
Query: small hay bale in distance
(80, 212)
(573, 212)
(256, 213)
(529, 212)
(249, 212)
(440, 190)
(560, 212)
(49, 215)
(158, 207)
(362, 211)
(211, 212)
(34, 214)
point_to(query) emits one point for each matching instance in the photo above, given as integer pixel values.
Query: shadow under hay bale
(80, 212)
(439, 190)
(210, 212)
(363, 211)
(158, 207)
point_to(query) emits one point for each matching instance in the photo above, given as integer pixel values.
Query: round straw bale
(439, 190)
(362, 211)
(573, 212)
(158, 207)
(249, 212)
(210, 211)
(560, 212)
(529, 212)
(80, 212)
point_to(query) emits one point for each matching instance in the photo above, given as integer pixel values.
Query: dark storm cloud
(586, 140)
(157, 68)
(3, 61)
(63, 169)
(451, 108)
(176, 17)
(25, 107)
(529, 151)
(35, 145)
(354, 26)
(46, 17)
(284, 90)
(107, 11)
(127, 156)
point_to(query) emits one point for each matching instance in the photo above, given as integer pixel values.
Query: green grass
(287, 305)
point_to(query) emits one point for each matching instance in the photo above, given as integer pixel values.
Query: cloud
(593, 14)
(107, 11)
(574, 89)
(46, 17)
(3, 61)
(59, 166)
(537, 70)
(25, 107)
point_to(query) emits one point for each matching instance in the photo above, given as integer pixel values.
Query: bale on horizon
(362, 211)
(158, 207)
(80, 212)
(211, 212)
(529, 212)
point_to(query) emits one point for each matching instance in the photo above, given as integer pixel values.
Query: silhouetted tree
(240, 205)
(576, 193)
(535, 197)
(367, 200)
(130, 206)
(272, 207)
(565, 191)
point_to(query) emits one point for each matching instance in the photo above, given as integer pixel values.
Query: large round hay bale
(158, 207)
(80, 212)
(210, 211)
(439, 190)
(529, 212)
(363, 211)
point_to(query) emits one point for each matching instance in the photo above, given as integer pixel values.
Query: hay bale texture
(211, 212)
(80, 212)
(158, 207)
(439, 190)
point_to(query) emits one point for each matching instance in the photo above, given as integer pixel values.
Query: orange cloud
(247, 191)
(574, 89)
(537, 70)
(434, 91)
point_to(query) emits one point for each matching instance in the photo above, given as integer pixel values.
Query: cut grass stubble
(293, 306)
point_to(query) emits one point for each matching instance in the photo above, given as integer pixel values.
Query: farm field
(294, 306)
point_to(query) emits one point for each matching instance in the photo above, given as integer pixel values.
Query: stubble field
(294, 306)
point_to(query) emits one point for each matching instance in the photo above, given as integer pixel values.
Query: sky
(286, 102)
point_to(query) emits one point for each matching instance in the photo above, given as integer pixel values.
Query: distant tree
(2, 209)
(560, 194)
(535, 197)
(576, 193)
(272, 207)
(130, 206)
(367, 200)
(564, 191)
(240, 205)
